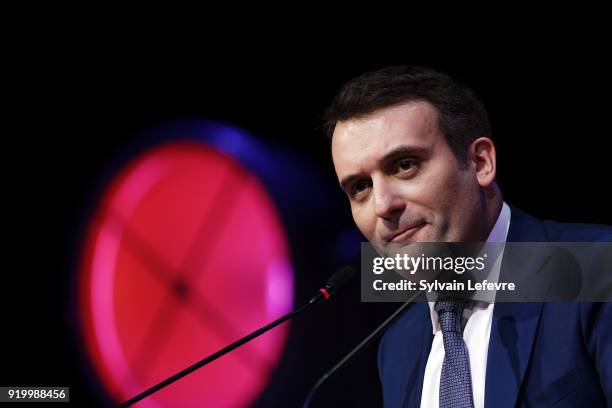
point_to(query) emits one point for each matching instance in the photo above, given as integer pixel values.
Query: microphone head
(342, 277)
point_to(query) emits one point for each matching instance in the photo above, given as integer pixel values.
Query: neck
(493, 206)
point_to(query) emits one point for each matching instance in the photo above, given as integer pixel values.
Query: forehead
(360, 143)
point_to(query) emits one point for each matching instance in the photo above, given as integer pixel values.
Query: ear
(483, 158)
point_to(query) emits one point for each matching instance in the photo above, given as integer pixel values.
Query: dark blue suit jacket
(540, 354)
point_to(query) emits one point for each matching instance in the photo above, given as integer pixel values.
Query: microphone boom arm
(338, 280)
(358, 349)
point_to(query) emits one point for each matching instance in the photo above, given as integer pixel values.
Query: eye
(359, 187)
(406, 165)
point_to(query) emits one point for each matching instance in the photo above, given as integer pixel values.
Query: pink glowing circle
(185, 254)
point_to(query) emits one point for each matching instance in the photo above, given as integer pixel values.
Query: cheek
(444, 192)
(459, 202)
(435, 191)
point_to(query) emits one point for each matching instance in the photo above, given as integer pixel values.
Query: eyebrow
(396, 153)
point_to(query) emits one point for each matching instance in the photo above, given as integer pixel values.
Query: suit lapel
(420, 342)
(512, 333)
(513, 327)
(427, 340)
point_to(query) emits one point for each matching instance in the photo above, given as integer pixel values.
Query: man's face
(403, 181)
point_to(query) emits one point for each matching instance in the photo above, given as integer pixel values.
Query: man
(413, 152)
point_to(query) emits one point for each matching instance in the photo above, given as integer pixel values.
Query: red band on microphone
(325, 293)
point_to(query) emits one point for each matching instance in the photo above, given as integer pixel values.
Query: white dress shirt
(476, 320)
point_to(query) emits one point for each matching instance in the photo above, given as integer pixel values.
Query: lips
(403, 234)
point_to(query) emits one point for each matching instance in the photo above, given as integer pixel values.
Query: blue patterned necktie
(455, 380)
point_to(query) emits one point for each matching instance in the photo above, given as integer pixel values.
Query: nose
(388, 203)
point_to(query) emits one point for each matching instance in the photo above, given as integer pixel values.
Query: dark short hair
(462, 117)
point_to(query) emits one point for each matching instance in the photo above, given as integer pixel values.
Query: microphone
(359, 348)
(337, 281)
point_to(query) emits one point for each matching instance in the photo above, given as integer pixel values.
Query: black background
(78, 108)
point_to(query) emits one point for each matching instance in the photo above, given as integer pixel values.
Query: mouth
(405, 234)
